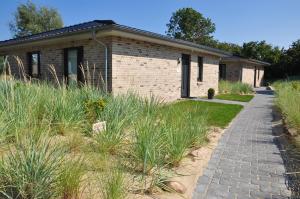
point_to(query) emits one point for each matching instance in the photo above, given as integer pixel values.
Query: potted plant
(210, 93)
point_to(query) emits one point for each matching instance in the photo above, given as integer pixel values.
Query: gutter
(106, 56)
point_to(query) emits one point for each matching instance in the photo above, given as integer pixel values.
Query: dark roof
(245, 59)
(167, 38)
(102, 24)
(59, 32)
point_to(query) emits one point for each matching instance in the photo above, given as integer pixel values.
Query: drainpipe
(106, 56)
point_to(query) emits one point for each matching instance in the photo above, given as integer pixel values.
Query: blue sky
(237, 21)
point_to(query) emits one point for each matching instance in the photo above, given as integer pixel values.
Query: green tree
(230, 47)
(268, 53)
(261, 51)
(188, 24)
(291, 60)
(30, 19)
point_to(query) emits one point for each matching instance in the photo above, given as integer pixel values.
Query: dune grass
(235, 97)
(288, 95)
(143, 135)
(234, 87)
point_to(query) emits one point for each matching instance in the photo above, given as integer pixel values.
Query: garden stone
(99, 127)
(176, 186)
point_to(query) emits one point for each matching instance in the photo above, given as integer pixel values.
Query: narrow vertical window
(34, 64)
(2, 64)
(222, 72)
(200, 69)
(258, 74)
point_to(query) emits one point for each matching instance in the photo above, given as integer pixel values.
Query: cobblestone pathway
(247, 162)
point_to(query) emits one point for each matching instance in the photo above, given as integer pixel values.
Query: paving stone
(246, 162)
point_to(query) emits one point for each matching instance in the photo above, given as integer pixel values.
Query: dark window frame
(222, 71)
(200, 69)
(29, 58)
(80, 55)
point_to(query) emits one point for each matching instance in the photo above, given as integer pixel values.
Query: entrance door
(185, 77)
(255, 71)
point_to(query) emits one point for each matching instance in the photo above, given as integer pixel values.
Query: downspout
(106, 56)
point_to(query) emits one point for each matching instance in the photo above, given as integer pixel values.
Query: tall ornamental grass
(31, 170)
(42, 108)
(166, 139)
(234, 87)
(288, 100)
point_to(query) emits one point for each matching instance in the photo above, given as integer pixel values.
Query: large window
(222, 72)
(200, 69)
(34, 64)
(73, 58)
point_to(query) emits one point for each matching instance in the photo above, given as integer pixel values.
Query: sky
(237, 21)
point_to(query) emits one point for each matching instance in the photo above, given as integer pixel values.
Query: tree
(291, 60)
(30, 19)
(230, 47)
(190, 25)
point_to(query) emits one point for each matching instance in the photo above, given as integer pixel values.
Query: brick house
(248, 71)
(118, 58)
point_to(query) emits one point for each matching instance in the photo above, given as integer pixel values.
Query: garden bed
(146, 142)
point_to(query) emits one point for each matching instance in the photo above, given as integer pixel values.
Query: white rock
(99, 127)
(176, 186)
(194, 153)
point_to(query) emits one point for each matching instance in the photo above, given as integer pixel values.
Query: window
(73, 60)
(34, 64)
(2, 64)
(222, 72)
(258, 74)
(200, 69)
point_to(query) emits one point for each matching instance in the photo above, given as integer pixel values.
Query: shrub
(31, 170)
(234, 87)
(93, 109)
(210, 93)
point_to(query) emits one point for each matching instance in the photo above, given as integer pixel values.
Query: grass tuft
(234, 87)
(31, 170)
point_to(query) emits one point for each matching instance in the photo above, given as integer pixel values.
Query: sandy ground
(190, 169)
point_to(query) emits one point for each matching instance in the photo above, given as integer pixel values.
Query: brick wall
(139, 66)
(233, 71)
(152, 69)
(248, 74)
(53, 54)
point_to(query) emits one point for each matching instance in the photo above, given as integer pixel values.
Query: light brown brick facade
(152, 69)
(139, 66)
(245, 72)
(93, 58)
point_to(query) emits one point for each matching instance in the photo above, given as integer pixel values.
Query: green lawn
(235, 97)
(217, 114)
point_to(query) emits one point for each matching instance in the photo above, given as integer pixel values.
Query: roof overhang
(120, 31)
(244, 60)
